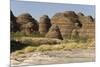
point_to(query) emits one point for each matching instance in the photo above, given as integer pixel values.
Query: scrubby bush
(84, 39)
(18, 52)
(29, 49)
(16, 45)
(39, 41)
(58, 47)
(44, 48)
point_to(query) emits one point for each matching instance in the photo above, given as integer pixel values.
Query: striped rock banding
(54, 32)
(44, 24)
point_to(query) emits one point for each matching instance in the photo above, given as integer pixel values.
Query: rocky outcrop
(54, 32)
(44, 24)
(27, 23)
(69, 23)
(25, 18)
(28, 28)
(66, 22)
(88, 27)
(75, 34)
(14, 26)
(80, 14)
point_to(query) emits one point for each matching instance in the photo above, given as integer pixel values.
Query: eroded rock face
(28, 28)
(88, 27)
(70, 14)
(66, 22)
(27, 23)
(80, 14)
(12, 17)
(54, 32)
(25, 18)
(69, 21)
(44, 24)
(14, 26)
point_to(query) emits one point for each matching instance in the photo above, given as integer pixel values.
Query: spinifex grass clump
(57, 47)
(49, 44)
(29, 49)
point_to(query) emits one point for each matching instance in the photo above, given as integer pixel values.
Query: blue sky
(37, 9)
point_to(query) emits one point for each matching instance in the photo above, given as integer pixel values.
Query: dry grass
(49, 44)
(57, 47)
(29, 49)
(44, 48)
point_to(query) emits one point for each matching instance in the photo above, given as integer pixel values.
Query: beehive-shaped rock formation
(44, 24)
(27, 23)
(88, 27)
(66, 22)
(28, 28)
(25, 18)
(54, 32)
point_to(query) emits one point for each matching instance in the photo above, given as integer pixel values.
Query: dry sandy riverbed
(53, 57)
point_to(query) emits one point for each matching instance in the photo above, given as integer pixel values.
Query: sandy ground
(53, 57)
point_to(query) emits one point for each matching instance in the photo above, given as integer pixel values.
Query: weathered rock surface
(27, 23)
(14, 26)
(44, 24)
(67, 22)
(88, 27)
(54, 32)
(25, 18)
